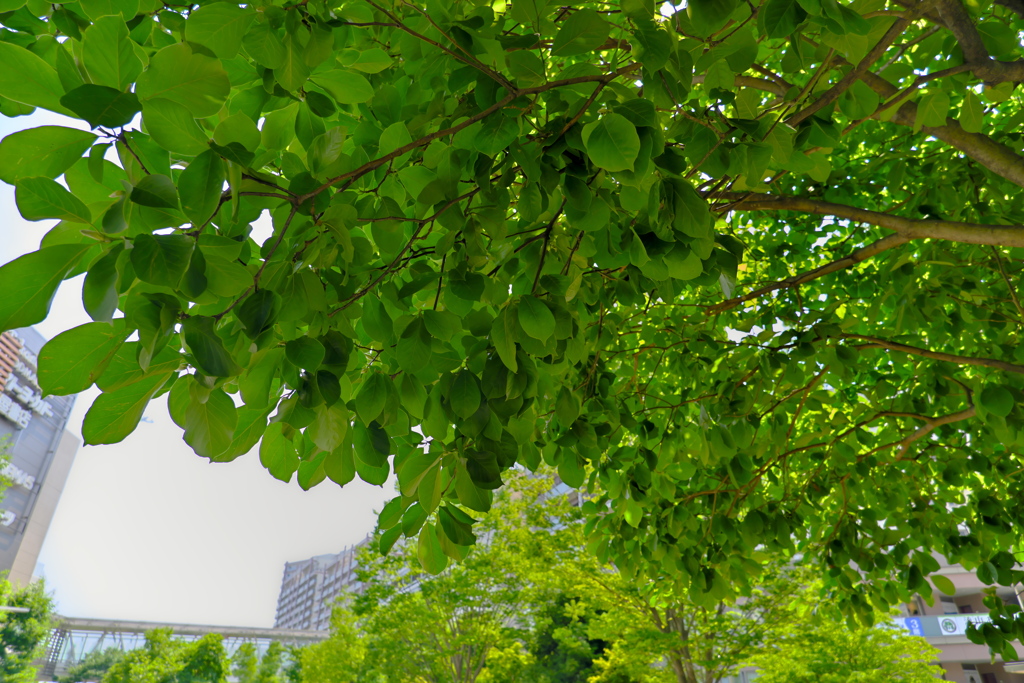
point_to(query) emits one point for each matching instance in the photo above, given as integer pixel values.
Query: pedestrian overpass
(75, 638)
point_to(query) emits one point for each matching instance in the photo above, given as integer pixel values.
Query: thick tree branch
(996, 157)
(908, 228)
(853, 259)
(833, 93)
(874, 342)
(976, 54)
(931, 424)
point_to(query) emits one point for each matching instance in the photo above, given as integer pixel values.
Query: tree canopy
(23, 634)
(746, 269)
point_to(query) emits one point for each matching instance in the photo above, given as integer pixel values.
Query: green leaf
(372, 447)
(414, 347)
(115, 414)
(71, 361)
(192, 79)
(220, 27)
(932, 109)
(944, 584)
(207, 348)
(94, 9)
(567, 407)
(109, 55)
(781, 17)
(996, 400)
(200, 186)
(28, 79)
(469, 494)
(428, 549)
(237, 128)
(294, 71)
(464, 395)
(210, 424)
(972, 113)
(305, 352)
(277, 453)
(264, 45)
(584, 31)
(30, 282)
(99, 291)
(174, 127)
(376, 321)
(456, 530)
(161, 259)
(372, 396)
(259, 312)
(102, 106)
(612, 142)
(46, 151)
(536, 318)
(157, 191)
(371, 61)
(42, 198)
(330, 426)
(344, 86)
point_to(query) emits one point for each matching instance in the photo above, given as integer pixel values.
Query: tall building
(310, 587)
(39, 449)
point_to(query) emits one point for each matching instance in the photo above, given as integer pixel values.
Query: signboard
(956, 624)
(939, 625)
(21, 395)
(913, 625)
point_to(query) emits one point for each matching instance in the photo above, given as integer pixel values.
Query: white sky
(148, 530)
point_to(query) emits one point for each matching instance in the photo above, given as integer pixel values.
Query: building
(944, 625)
(39, 449)
(310, 587)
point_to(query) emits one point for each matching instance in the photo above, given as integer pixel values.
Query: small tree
(166, 660)
(244, 663)
(23, 634)
(270, 664)
(93, 667)
(339, 659)
(816, 650)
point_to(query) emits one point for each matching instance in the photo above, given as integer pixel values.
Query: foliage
(814, 650)
(444, 628)
(271, 664)
(338, 659)
(23, 634)
(747, 268)
(559, 641)
(93, 667)
(166, 660)
(244, 663)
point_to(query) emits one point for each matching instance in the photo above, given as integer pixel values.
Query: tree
(749, 267)
(338, 659)
(23, 634)
(165, 660)
(823, 651)
(245, 663)
(93, 666)
(271, 663)
(560, 642)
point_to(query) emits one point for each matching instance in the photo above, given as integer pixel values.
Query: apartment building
(944, 625)
(310, 587)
